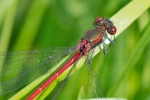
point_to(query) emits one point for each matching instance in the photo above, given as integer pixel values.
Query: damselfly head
(106, 24)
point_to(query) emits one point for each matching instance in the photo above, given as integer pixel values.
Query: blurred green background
(37, 24)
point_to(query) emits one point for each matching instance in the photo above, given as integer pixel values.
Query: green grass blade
(125, 17)
(31, 26)
(8, 25)
(133, 58)
(3, 6)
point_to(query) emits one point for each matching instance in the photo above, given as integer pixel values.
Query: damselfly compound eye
(99, 21)
(112, 31)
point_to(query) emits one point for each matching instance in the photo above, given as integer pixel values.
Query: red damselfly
(36, 63)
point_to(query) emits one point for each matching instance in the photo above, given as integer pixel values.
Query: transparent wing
(20, 68)
(94, 87)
